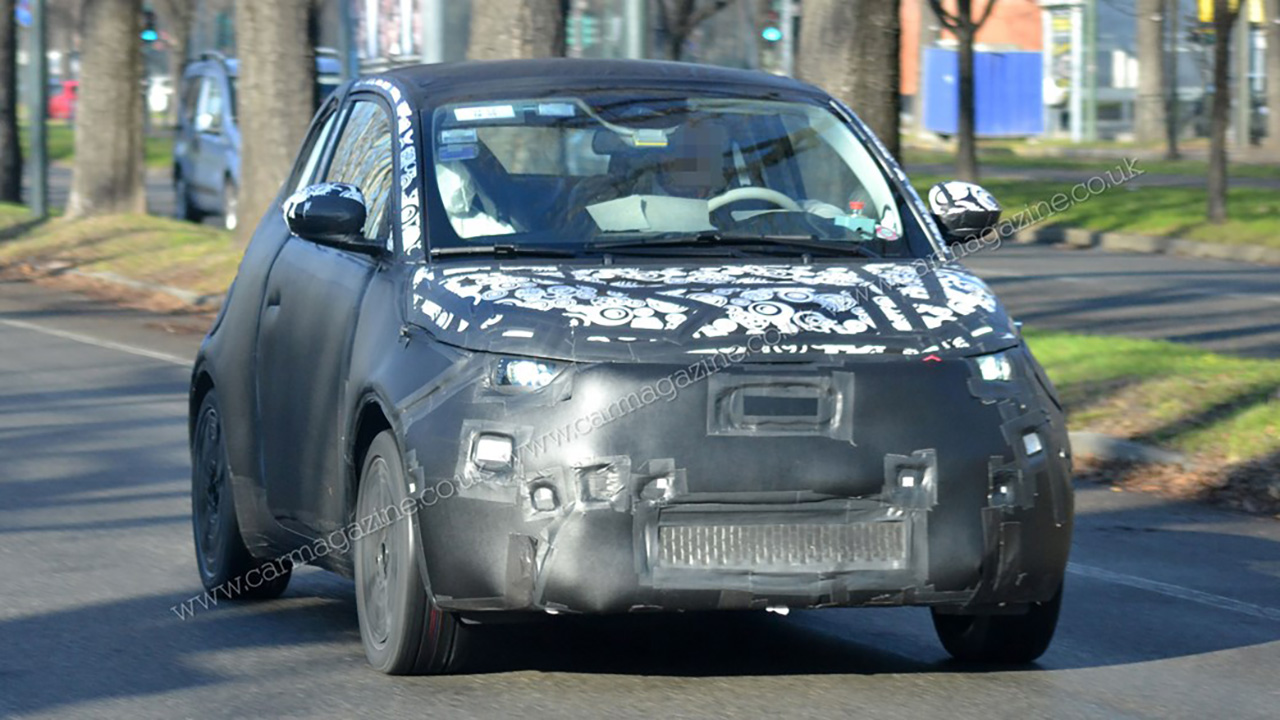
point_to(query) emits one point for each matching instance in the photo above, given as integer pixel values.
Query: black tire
(183, 208)
(1005, 639)
(226, 568)
(230, 206)
(404, 633)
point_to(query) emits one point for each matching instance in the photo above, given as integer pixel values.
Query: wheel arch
(201, 385)
(371, 419)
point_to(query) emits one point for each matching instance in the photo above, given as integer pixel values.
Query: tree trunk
(966, 132)
(177, 16)
(1150, 106)
(1223, 22)
(1273, 75)
(509, 29)
(850, 48)
(10, 149)
(108, 170)
(276, 98)
(1172, 101)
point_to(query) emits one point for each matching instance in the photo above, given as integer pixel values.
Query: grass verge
(140, 247)
(1254, 213)
(1009, 157)
(1222, 411)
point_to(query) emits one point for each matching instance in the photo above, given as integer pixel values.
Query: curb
(204, 302)
(1114, 449)
(187, 297)
(1149, 244)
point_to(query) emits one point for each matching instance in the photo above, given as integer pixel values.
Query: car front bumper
(885, 482)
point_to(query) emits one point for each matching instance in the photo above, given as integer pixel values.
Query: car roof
(446, 82)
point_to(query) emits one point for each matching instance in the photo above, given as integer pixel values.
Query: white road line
(1175, 591)
(108, 344)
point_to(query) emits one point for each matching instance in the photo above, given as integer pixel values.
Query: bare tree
(1171, 100)
(681, 17)
(508, 29)
(965, 27)
(276, 98)
(1273, 74)
(107, 177)
(1224, 19)
(177, 17)
(10, 147)
(851, 48)
(1150, 106)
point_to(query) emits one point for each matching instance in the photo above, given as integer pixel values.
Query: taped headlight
(528, 374)
(996, 367)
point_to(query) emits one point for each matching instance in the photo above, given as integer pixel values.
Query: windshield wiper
(503, 250)
(808, 243)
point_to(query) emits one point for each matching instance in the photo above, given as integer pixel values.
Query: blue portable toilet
(1008, 92)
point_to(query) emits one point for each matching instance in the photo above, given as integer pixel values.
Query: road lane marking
(96, 342)
(1175, 591)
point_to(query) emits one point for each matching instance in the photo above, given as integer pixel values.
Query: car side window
(364, 158)
(190, 99)
(210, 114)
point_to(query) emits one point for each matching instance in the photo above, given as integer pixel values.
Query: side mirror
(963, 210)
(330, 214)
(204, 123)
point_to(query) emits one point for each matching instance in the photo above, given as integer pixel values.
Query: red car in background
(62, 106)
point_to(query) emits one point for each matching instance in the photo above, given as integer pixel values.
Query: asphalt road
(1172, 610)
(1222, 306)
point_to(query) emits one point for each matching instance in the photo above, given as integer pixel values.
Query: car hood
(651, 313)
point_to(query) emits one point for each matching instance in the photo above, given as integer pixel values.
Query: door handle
(273, 298)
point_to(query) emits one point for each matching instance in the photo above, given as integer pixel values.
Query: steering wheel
(753, 193)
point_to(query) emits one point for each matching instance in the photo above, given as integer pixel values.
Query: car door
(312, 300)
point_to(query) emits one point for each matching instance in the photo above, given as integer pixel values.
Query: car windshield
(595, 169)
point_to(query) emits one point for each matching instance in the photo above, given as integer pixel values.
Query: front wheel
(225, 564)
(1009, 639)
(404, 633)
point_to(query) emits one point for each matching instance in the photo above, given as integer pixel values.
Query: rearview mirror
(963, 210)
(329, 213)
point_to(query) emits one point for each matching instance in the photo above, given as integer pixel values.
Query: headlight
(996, 367)
(528, 374)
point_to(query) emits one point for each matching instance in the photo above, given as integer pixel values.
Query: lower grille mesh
(872, 545)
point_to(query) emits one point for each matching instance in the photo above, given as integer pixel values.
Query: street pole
(347, 43)
(432, 30)
(1077, 74)
(787, 56)
(1091, 70)
(635, 14)
(38, 67)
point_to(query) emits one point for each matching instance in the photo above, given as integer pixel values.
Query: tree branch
(986, 13)
(706, 11)
(949, 21)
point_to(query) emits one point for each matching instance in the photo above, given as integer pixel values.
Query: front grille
(782, 547)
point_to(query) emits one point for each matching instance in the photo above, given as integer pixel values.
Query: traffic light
(771, 31)
(585, 28)
(149, 33)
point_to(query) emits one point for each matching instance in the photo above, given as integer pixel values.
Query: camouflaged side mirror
(330, 214)
(963, 210)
